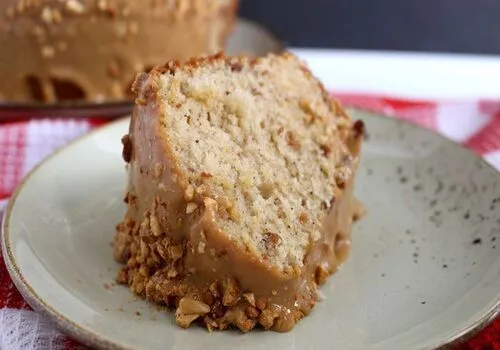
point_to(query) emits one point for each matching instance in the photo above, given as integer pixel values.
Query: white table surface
(406, 74)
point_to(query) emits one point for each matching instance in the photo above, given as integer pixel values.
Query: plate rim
(88, 337)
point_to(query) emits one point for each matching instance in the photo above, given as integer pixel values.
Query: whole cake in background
(57, 50)
(240, 195)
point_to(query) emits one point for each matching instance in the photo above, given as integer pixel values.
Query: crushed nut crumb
(75, 7)
(232, 292)
(321, 274)
(189, 193)
(250, 297)
(191, 207)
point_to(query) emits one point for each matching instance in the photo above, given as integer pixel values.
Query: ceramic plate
(424, 270)
(247, 37)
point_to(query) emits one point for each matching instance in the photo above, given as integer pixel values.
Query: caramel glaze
(205, 265)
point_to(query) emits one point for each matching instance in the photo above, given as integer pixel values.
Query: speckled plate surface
(424, 270)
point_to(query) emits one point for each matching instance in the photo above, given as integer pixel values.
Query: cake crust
(173, 246)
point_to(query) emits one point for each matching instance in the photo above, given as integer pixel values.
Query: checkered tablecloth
(475, 124)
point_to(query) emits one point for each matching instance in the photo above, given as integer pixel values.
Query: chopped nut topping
(201, 247)
(252, 312)
(321, 274)
(250, 297)
(155, 226)
(191, 207)
(232, 292)
(239, 318)
(175, 251)
(266, 318)
(48, 52)
(209, 202)
(261, 303)
(189, 193)
(47, 15)
(201, 189)
(214, 289)
(184, 321)
(190, 306)
(75, 7)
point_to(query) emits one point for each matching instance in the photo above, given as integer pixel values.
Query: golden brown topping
(321, 275)
(175, 251)
(155, 226)
(239, 318)
(214, 289)
(252, 311)
(266, 318)
(75, 7)
(190, 306)
(208, 298)
(48, 52)
(189, 193)
(232, 292)
(261, 303)
(190, 207)
(250, 297)
(201, 247)
(210, 203)
(185, 321)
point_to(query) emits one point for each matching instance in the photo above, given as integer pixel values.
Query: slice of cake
(55, 50)
(240, 198)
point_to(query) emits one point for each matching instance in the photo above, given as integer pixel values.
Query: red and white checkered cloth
(475, 124)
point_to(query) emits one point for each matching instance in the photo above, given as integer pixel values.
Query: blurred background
(461, 26)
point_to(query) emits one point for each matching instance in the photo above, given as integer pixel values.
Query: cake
(240, 195)
(58, 50)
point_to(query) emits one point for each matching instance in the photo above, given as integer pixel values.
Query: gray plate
(424, 270)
